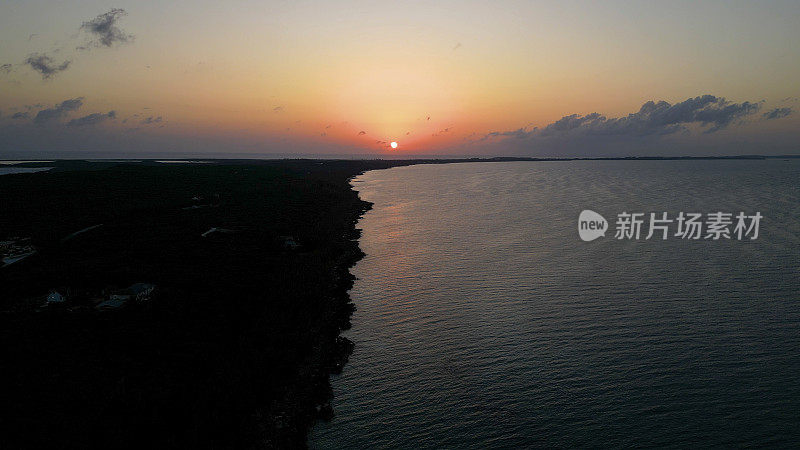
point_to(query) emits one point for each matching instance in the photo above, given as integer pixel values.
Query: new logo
(591, 225)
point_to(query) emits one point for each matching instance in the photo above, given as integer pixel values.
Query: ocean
(484, 321)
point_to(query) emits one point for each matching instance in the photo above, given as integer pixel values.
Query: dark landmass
(99, 164)
(235, 348)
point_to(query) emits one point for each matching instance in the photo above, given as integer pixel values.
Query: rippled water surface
(484, 321)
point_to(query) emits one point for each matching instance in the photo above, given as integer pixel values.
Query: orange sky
(295, 76)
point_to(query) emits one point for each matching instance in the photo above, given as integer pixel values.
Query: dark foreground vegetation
(234, 349)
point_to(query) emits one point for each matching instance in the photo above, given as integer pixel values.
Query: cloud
(658, 118)
(361, 133)
(60, 110)
(45, 65)
(105, 28)
(457, 46)
(653, 118)
(642, 131)
(92, 119)
(21, 115)
(151, 120)
(277, 109)
(6, 68)
(777, 113)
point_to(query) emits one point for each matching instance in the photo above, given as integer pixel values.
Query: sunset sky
(463, 78)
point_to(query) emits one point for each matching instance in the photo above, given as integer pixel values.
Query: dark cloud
(5, 68)
(21, 115)
(105, 28)
(777, 113)
(45, 65)
(653, 118)
(57, 112)
(151, 120)
(640, 131)
(92, 119)
(361, 133)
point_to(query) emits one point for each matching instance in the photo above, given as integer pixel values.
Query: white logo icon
(591, 225)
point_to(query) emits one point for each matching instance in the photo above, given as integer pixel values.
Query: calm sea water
(484, 321)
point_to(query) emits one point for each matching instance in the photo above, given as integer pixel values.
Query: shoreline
(334, 350)
(238, 344)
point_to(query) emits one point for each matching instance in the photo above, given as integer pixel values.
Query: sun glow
(393, 144)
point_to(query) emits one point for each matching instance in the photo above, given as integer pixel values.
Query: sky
(528, 78)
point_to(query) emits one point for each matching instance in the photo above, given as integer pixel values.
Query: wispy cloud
(46, 66)
(151, 120)
(777, 113)
(104, 28)
(51, 114)
(92, 119)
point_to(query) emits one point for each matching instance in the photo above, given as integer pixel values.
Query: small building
(138, 291)
(15, 249)
(55, 297)
(142, 291)
(111, 303)
(119, 295)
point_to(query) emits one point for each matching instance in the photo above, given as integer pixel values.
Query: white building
(137, 291)
(55, 297)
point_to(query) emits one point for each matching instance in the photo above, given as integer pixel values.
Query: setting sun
(393, 144)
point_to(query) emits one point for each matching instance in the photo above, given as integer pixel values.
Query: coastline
(330, 355)
(239, 345)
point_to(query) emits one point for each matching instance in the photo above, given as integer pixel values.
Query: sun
(393, 144)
